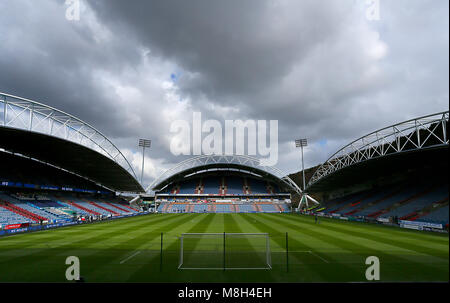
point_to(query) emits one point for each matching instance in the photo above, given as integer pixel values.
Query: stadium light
(144, 143)
(302, 143)
(305, 197)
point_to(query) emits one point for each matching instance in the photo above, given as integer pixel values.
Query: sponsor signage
(426, 224)
(18, 225)
(383, 220)
(411, 226)
(434, 229)
(49, 187)
(24, 227)
(13, 226)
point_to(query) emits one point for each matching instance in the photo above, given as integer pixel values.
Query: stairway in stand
(83, 208)
(104, 208)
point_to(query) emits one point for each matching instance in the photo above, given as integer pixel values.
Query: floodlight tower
(302, 143)
(304, 199)
(144, 143)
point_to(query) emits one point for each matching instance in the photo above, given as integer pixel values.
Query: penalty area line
(128, 258)
(319, 257)
(312, 253)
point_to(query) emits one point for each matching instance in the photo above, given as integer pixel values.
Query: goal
(224, 251)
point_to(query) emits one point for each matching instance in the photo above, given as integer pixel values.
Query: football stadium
(67, 190)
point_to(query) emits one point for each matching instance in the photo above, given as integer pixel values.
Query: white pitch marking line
(310, 252)
(319, 257)
(125, 260)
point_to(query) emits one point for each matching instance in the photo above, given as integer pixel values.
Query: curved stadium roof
(215, 162)
(52, 136)
(397, 146)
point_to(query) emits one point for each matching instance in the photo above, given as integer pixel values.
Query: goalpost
(225, 251)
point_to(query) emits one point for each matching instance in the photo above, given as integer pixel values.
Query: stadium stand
(257, 186)
(397, 175)
(235, 185)
(222, 208)
(19, 172)
(439, 215)
(35, 193)
(418, 202)
(230, 207)
(222, 193)
(246, 208)
(9, 216)
(188, 187)
(268, 208)
(200, 208)
(19, 208)
(211, 185)
(426, 202)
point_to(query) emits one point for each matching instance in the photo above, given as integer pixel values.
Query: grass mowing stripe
(313, 241)
(431, 237)
(370, 236)
(364, 251)
(146, 237)
(243, 244)
(90, 259)
(128, 250)
(97, 236)
(200, 226)
(31, 238)
(80, 235)
(247, 227)
(323, 273)
(432, 251)
(50, 263)
(144, 234)
(376, 235)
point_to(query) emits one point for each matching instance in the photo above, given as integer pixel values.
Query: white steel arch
(25, 114)
(419, 133)
(224, 159)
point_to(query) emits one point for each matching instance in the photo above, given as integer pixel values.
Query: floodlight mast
(302, 143)
(304, 198)
(144, 143)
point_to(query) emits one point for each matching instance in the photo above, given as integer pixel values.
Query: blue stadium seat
(234, 185)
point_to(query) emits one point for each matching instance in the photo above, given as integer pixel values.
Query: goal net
(225, 251)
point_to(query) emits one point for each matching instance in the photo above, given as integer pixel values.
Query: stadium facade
(223, 184)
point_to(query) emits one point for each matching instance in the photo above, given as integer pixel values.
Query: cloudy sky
(330, 71)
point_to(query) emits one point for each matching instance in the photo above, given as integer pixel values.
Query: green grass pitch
(128, 250)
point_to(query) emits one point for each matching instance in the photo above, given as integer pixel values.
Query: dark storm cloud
(319, 67)
(230, 48)
(46, 58)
